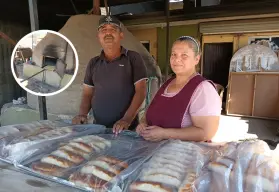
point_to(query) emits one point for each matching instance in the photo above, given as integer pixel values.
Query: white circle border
(60, 90)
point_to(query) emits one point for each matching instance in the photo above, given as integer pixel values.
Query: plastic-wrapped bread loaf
(48, 169)
(149, 187)
(71, 156)
(102, 169)
(168, 161)
(76, 150)
(90, 139)
(262, 174)
(50, 133)
(244, 154)
(107, 166)
(82, 146)
(187, 184)
(113, 161)
(98, 172)
(172, 167)
(162, 178)
(58, 161)
(87, 180)
(162, 170)
(221, 173)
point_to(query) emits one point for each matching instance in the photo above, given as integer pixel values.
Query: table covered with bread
(91, 158)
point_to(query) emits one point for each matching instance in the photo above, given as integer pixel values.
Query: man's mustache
(108, 37)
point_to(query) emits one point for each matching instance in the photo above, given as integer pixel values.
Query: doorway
(146, 44)
(216, 65)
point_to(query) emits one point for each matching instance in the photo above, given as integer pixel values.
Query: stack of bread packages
(174, 167)
(17, 149)
(23, 131)
(95, 174)
(46, 134)
(70, 155)
(244, 167)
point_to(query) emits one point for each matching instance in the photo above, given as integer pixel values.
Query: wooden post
(167, 38)
(254, 95)
(34, 21)
(106, 5)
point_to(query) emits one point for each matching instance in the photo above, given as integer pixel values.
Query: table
(14, 181)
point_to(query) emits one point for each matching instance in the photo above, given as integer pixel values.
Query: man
(115, 81)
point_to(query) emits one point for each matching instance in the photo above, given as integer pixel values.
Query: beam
(202, 13)
(7, 38)
(34, 21)
(33, 11)
(167, 4)
(124, 2)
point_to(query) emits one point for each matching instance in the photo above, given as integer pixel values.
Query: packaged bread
(172, 168)
(69, 155)
(96, 173)
(262, 174)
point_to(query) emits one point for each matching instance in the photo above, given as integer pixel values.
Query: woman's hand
(140, 128)
(153, 133)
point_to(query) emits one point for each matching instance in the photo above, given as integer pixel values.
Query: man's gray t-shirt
(113, 84)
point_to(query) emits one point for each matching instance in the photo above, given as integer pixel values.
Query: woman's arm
(205, 128)
(205, 111)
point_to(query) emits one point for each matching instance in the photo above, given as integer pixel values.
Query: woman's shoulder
(207, 85)
(206, 89)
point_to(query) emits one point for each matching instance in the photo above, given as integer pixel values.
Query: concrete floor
(263, 129)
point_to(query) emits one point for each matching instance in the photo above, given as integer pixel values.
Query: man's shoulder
(93, 61)
(133, 53)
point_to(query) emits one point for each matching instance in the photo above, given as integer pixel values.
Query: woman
(187, 107)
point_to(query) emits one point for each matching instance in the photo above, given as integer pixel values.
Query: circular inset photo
(44, 63)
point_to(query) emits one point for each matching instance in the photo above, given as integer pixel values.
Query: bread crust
(98, 172)
(150, 187)
(113, 161)
(82, 146)
(76, 150)
(71, 156)
(58, 161)
(88, 180)
(48, 169)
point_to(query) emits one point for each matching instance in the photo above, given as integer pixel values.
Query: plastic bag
(91, 162)
(23, 128)
(228, 172)
(262, 174)
(245, 152)
(8, 133)
(174, 167)
(19, 147)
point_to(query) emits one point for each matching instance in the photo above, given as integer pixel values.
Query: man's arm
(140, 94)
(139, 78)
(87, 95)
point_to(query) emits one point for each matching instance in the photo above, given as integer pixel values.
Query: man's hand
(80, 119)
(141, 127)
(120, 125)
(153, 133)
